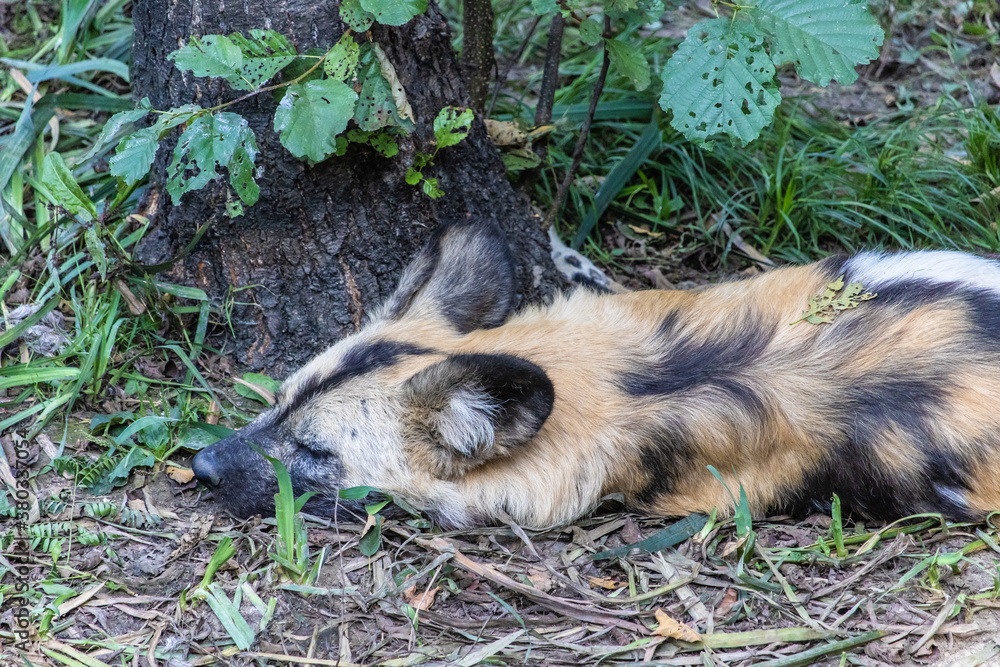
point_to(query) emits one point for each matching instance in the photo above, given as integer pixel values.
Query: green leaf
(720, 80)
(413, 176)
(673, 534)
(452, 125)
(591, 31)
(96, 248)
(355, 16)
(91, 64)
(394, 12)
(241, 168)
(229, 616)
(372, 540)
(101, 423)
(520, 160)
(59, 180)
(141, 424)
(342, 144)
(211, 141)
(136, 457)
(629, 62)
(134, 155)
(431, 188)
(384, 144)
(376, 106)
(825, 40)
(115, 125)
(543, 7)
(261, 380)
(356, 492)
(311, 115)
(342, 62)
(244, 63)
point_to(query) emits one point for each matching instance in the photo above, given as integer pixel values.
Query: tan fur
(896, 404)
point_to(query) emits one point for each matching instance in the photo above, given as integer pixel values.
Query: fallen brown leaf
(606, 582)
(180, 475)
(668, 627)
(727, 603)
(420, 601)
(505, 133)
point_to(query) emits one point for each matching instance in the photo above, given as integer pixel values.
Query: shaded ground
(507, 596)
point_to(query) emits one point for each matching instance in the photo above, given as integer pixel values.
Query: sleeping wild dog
(446, 401)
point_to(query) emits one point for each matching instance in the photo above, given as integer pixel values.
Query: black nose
(205, 468)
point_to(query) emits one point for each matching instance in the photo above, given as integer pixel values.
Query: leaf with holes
(452, 125)
(629, 63)
(342, 61)
(311, 115)
(394, 12)
(377, 105)
(823, 39)
(241, 168)
(720, 80)
(354, 15)
(590, 31)
(211, 141)
(245, 63)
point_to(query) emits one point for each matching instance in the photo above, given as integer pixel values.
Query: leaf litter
(201, 589)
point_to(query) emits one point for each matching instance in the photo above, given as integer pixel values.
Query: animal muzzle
(240, 478)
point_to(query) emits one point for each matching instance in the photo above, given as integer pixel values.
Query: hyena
(475, 416)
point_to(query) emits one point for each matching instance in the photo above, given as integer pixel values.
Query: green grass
(812, 185)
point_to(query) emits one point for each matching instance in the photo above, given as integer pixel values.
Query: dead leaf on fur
(825, 306)
(180, 475)
(606, 582)
(420, 601)
(668, 627)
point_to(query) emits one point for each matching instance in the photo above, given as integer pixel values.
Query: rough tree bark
(478, 61)
(325, 243)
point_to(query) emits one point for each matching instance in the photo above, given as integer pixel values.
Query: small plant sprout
(292, 546)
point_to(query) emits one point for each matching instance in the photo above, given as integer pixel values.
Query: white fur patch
(467, 423)
(573, 265)
(876, 269)
(952, 495)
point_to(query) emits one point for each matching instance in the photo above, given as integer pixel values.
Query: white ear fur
(467, 422)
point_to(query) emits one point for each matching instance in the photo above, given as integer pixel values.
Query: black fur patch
(833, 266)
(356, 362)
(982, 306)
(881, 403)
(522, 390)
(715, 361)
(666, 454)
(466, 273)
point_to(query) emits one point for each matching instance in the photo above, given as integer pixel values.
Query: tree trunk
(325, 243)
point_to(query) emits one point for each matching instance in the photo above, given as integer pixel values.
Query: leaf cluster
(721, 80)
(834, 299)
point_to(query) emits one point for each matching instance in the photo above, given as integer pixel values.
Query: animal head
(397, 406)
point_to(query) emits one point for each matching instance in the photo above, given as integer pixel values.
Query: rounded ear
(464, 275)
(470, 408)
